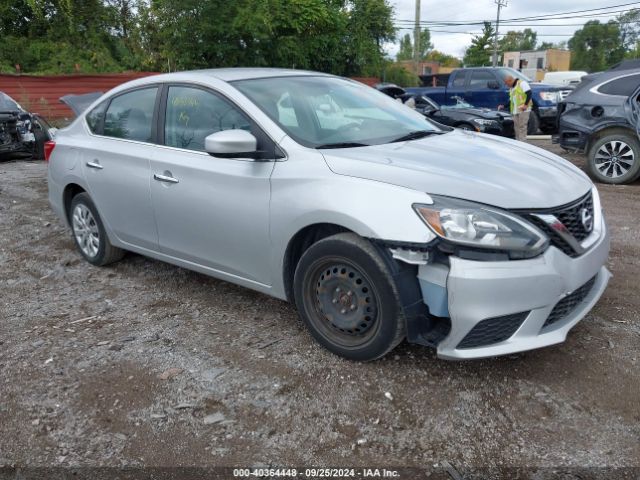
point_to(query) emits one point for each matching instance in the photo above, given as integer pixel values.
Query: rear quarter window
(95, 118)
(624, 86)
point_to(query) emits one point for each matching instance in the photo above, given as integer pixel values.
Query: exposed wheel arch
(611, 129)
(298, 244)
(70, 191)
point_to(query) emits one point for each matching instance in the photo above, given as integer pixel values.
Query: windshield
(506, 71)
(7, 103)
(320, 111)
(460, 103)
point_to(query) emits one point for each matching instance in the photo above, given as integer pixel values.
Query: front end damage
(486, 306)
(17, 137)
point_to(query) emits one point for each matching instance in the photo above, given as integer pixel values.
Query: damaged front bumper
(489, 308)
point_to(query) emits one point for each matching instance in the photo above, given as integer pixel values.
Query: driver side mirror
(231, 144)
(493, 85)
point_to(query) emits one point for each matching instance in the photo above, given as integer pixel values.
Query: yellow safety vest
(517, 97)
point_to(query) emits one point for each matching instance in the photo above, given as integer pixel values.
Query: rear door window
(458, 80)
(193, 114)
(481, 79)
(130, 115)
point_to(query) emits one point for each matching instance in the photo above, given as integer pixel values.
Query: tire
(615, 158)
(534, 123)
(347, 298)
(89, 234)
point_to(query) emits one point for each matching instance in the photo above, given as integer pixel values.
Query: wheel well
(300, 242)
(70, 191)
(610, 130)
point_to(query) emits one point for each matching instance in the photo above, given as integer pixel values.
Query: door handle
(164, 178)
(95, 164)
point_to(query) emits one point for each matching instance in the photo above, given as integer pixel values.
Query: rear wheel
(615, 158)
(89, 233)
(347, 298)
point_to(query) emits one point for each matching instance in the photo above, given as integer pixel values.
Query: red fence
(40, 94)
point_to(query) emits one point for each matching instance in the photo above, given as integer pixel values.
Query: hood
(546, 87)
(79, 103)
(481, 168)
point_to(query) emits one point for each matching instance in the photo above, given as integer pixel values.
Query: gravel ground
(146, 364)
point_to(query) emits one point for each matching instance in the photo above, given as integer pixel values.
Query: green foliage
(479, 53)
(52, 36)
(629, 24)
(406, 46)
(596, 46)
(517, 41)
(443, 59)
(397, 74)
(406, 49)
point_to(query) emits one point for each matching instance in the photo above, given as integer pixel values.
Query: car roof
(245, 73)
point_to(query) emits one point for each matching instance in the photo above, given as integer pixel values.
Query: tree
(369, 26)
(516, 41)
(479, 53)
(406, 46)
(406, 49)
(596, 46)
(443, 59)
(343, 37)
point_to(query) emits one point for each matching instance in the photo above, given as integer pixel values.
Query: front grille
(568, 304)
(493, 330)
(571, 217)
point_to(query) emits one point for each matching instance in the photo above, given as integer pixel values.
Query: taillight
(48, 149)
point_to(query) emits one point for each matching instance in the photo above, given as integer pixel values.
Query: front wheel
(615, 158)
(347, 298)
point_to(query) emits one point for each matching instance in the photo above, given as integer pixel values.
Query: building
(535, 63)
(425, 68)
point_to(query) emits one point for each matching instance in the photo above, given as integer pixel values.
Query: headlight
(468, 223)
(485, 122)
(549, 96)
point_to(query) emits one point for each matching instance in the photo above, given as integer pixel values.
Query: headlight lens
(477, 225)
(549, 96)
(485, 122)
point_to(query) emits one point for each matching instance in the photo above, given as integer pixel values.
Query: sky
(553, 30)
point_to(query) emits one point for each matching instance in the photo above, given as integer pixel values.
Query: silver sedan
(377, 223)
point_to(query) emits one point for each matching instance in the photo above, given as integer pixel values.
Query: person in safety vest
(520, 102)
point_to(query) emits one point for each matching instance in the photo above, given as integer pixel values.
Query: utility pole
(416, 40)
(500, 3)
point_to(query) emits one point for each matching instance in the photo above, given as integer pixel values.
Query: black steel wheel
(347, 298)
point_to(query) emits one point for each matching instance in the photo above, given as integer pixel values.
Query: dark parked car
(22, 134)
(485, 87)
(599, 118)
(460, 114)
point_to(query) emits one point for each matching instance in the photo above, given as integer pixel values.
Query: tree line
(344, 37)
(595, 47)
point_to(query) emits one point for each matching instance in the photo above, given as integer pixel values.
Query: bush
(400, 76)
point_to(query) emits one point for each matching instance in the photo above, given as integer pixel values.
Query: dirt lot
(146, 364)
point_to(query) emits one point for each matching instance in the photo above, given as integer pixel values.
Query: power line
(501, 35)
(548, 17)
